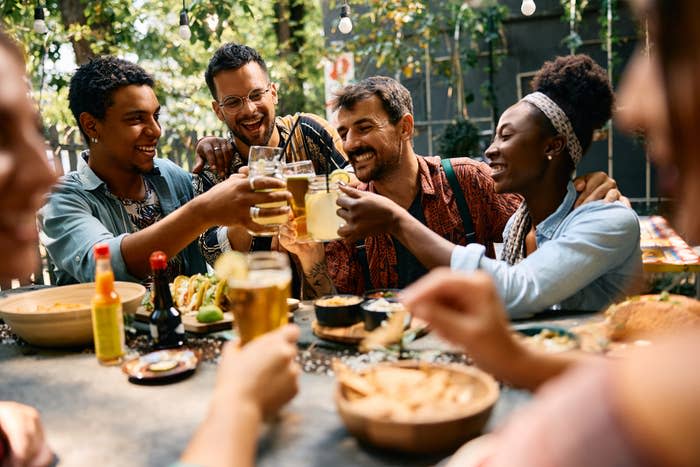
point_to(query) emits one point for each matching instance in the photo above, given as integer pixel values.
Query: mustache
(359, 151)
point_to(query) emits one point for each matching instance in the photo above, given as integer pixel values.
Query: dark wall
(530, 41)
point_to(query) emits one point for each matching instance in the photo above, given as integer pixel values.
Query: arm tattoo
(317, 281)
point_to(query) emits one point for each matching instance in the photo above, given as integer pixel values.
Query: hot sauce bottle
(107, 316)
(167, 330)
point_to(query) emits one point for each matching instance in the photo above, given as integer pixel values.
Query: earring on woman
(93, 140)
(549, 157)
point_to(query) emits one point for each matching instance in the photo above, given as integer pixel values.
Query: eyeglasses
(233, 104)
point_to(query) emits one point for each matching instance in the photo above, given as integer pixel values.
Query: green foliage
(573, 16)
(459, 139)
(146, 31)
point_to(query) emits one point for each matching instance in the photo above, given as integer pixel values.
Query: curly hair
(230, 56)
(396, 100)
(581, 88)
(94, 83)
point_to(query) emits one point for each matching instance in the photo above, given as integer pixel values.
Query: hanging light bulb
(345, 23)
(528, 7)
(39, 20)
(184, 31)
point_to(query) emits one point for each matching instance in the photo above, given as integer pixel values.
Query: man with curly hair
(126, 197)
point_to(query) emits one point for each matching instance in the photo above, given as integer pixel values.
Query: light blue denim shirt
(585, 259)
(81, 212)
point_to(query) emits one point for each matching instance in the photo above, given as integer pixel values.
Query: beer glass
(298, 176)
(322, 220)
(267, 161)
(259, 301)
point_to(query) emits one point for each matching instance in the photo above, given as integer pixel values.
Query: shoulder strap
(461, 200)
(364, 262)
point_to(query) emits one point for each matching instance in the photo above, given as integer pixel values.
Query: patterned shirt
(146, 212)
(489, 211)
(314, 139)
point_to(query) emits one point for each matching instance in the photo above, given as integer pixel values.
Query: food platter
(354, 334)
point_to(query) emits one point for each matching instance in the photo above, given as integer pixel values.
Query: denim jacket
(81, 212)
(585, 259)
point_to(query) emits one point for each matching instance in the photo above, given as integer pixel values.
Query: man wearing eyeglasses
(245, 99)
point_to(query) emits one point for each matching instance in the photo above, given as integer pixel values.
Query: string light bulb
(528, 7)
(345, 23)
(39, 19)
(184, 30)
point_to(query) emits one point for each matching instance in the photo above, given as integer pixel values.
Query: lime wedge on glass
(231, 265)
(339, 175)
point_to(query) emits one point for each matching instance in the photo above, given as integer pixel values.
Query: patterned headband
(560, 122)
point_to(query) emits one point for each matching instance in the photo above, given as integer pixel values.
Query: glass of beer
(322, 220)
(298, 176)
(259, 301)
(267, 161)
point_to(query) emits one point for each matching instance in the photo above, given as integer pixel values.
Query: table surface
(94, 416)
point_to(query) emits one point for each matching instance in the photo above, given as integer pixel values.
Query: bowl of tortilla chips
(415, 407)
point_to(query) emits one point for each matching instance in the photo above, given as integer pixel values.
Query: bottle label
(108, 331)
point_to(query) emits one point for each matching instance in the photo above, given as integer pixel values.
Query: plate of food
(548, 339)
(162, 366)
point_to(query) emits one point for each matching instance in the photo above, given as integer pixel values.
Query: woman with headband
(553, 254)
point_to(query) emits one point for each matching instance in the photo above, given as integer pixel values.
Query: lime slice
(339, 175)
(231, 265)
(163, 365)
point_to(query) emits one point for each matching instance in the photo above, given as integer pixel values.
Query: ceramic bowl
(375, 311)
(442, 432)
(64, 328)
(549, 339)
(338, 310)
(391, 295)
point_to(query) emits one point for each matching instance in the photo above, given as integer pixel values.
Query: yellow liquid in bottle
(107, 320)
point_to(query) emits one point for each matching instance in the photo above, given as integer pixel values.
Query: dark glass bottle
(167, 330)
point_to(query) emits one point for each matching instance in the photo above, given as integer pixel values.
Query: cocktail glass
(267, 161)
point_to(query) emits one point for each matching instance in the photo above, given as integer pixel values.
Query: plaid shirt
(489, 212)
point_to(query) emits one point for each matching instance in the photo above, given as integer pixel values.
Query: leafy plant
(459, 139)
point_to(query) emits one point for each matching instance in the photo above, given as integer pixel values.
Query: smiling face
(129, 132)
(518, 154)
(254, 123)
(25, 175)
(373, 145)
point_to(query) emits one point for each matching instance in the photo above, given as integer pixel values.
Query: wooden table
(94, 416)
(664, 251)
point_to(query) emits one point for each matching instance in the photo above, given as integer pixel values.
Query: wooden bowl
(440, 434)
(66, 328)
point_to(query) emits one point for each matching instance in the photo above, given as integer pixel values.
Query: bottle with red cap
(167, 330)
(107, 316)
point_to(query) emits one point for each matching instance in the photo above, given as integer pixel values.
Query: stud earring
(93, 140)
(549, 157)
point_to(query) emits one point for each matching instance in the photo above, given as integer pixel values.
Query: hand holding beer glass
(259, 284)
(265, 161)
(298, 176)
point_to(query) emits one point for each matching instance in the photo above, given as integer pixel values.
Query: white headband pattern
(560, 122)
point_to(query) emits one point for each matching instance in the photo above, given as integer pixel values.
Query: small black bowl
(339, 315)
(374, 318)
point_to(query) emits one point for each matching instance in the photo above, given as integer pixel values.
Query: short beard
(247, 142)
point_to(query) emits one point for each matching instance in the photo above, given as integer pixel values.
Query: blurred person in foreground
(641, 410)
(403, 193)
(252, 383)
(126, 196)
(25, 177)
